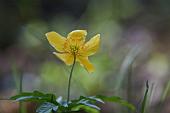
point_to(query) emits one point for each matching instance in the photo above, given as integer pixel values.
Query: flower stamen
(74, 49)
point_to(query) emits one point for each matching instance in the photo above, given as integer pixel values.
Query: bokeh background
(135, 47)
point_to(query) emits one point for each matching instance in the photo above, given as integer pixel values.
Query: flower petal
(86, 63)
(65, 57)
(77, 35)
(92, 45)
(56, 40)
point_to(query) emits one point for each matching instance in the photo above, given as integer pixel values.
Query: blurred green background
(135, 47)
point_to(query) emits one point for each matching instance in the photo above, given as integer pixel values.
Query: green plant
(71, 50)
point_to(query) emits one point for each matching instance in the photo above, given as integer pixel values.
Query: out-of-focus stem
(20, 91)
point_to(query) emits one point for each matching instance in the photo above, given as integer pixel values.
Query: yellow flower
(74, 46)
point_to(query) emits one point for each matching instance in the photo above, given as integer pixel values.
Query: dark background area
(135, 37)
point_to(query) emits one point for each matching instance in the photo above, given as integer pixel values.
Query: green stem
(69, 83)
(129, 85)
(20, 91)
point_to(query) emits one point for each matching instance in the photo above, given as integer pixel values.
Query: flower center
(74, 48)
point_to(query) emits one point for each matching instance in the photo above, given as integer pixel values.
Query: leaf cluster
(49, 103)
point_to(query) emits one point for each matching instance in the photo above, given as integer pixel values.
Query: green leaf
(59, 99)
(47, 108)
(86, 101)
(85, 108)
(118, 100)
(63, 103)
(145, 98)
(92, 99)
(35, 96)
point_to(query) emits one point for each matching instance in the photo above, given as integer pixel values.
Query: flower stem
(69, 83)
(20, 91)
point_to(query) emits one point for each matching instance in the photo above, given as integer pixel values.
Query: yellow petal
(77, 35)
(92, 45)
(86, 63)
(65, 57)
(56, 40)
